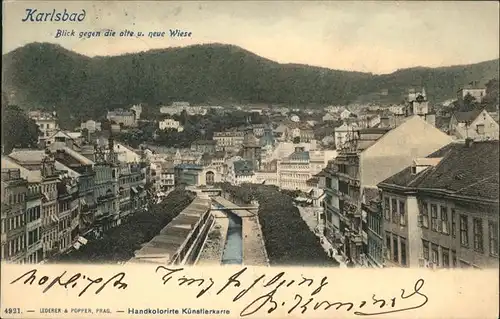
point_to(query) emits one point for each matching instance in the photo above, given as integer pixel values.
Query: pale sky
(378, 37)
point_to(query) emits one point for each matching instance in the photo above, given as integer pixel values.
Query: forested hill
(46, 75)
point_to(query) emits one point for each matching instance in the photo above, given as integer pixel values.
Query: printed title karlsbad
(33, 15)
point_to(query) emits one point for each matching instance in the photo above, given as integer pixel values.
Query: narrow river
(233, 248)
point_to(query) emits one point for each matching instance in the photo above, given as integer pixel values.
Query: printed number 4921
(12, 310)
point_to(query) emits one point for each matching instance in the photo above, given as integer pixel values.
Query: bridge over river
(210, 231)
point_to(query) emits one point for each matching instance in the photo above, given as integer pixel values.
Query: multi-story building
(343, 133)
(69, 139)
(295, 170)
(417, 104)
(47, 123)
(68, 212)
(167, 177)
(179, 107)
(125, 118)
(443, 210)
(13, 219)
(241, 171)
(476, 92)
(204, 146)
(259, 129)
(317, 194)
(214, 161)
(187, 174)
(268, 173)
(91, 126)
(34, 253)
(371, 208)
(397, 109)
(43, 173)
(124, 153)
(132, 195)
(106, 190)
(170, 124)
(229, 140)
(252, 149)
(82, 168)
(137, 109)
(50, 208)
(371, 156)
(478, 125)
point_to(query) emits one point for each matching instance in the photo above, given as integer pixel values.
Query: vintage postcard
(260, 159)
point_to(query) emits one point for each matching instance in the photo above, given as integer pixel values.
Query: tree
(490, 100)
(296, 140)
(468, 103)
(18, 130)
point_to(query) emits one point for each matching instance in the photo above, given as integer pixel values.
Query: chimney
(468, 142)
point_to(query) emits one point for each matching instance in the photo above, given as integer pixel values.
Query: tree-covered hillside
(47, 75)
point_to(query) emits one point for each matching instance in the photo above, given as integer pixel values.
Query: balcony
(34, 247)
(350, 180)
(105, 198)
(64, 213)
(14, 232)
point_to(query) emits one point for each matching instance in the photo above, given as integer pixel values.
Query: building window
(453, 223)
(387, 208)
(387, 246)
(425, 249)
(425, 215)
(402, 212)
(395, 248)
(454, 259)
(480, 128)
(435, 255)
(328, 182)
(478, 234)
(444, 220)
(394, 210)
(445, 257)
(464, 231)
(434, 217)
(403, 250)
(493, 238)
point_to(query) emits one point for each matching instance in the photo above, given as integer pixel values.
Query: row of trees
(287, 237)
(119, 243)
(196, 127)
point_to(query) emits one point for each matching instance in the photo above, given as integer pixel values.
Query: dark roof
(188, 166)
(322, 173)
(467, 116)
(374, 130)
(243, 167)
(299, 156)
(313, 181)
(470, 171)
(371, 194)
